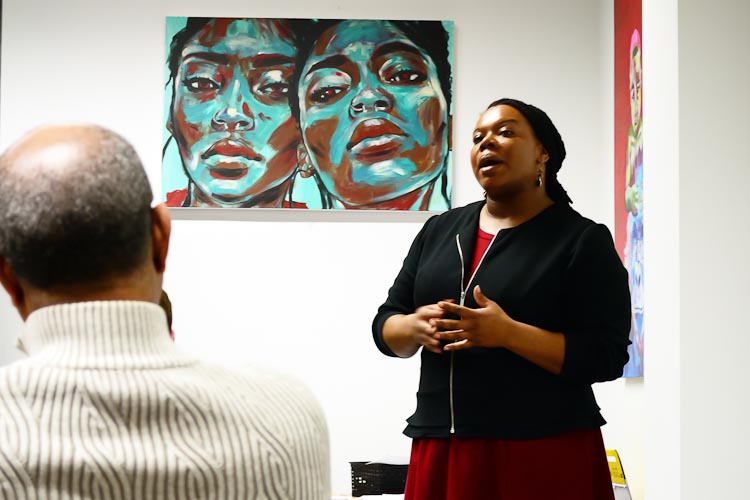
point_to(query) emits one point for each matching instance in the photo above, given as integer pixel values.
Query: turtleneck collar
(104, 335)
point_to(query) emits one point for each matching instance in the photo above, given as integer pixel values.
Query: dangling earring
(304, 167)
(539, 179)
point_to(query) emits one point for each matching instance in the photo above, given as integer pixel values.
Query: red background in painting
(627, 18)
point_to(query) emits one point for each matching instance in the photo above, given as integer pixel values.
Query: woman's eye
(272, 84)
(506, 133)
(200, 84)
(407, 76)
(325, 94)
(400, 68)
(477, 139)
(275, 90)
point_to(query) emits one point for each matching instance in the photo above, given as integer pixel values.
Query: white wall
(661, 152)
(697, 103)
(299, 290)
(714, 94)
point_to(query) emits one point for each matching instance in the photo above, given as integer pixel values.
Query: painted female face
(230, 114)
(373, 116)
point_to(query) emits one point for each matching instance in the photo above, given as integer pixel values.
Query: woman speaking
(520, 304)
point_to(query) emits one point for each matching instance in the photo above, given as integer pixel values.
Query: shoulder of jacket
(458, 215)
(589, 233)
(576, 222)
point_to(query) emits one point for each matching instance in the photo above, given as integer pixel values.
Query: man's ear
(161, 227)
(12, 285)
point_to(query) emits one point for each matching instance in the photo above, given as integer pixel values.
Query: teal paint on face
(372, 113)
(230, 113)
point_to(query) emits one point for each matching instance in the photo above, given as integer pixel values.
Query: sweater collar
(104, 335)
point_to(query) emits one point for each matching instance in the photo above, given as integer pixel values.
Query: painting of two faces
(307, 114)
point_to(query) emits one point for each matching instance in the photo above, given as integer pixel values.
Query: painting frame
(629, 166)
(422, 184)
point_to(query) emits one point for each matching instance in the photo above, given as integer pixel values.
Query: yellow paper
(615, 468)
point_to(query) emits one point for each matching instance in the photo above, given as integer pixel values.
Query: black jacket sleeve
(598, 307)
(401, 294)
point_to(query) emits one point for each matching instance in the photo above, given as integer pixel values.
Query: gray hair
(64, 223)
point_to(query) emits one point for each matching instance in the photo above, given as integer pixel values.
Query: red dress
(572, 466)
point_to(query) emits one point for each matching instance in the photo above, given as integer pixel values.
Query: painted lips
(375, 138)
(233, 157)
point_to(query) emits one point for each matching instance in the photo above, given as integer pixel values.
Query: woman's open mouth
(488, 161)
(228, 173)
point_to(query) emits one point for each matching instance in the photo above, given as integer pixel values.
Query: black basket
(370, 478)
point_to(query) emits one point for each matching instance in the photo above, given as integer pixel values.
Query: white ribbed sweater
(107, 407)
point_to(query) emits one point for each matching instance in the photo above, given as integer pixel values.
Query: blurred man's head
(76, 221)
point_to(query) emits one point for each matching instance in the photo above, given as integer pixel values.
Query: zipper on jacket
(464, 289)
(461, 303)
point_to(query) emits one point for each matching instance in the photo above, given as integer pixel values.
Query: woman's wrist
(398, 336)
(542, 347)
(513, 336)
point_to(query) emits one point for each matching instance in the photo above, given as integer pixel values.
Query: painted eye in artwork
(327, 85)
(276, 90)
(406, 77)
(404, 70)
(325, 94)
(200, 84)
(273, 85)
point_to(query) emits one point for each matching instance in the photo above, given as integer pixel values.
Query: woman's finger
(453, 308)
(452, 335)
(447, 324)
(457, 346)
(431, 344)
(429, 329)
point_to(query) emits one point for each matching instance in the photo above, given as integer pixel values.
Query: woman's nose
(231, 119)
(485, 142)
(370, 99)
(235, 113)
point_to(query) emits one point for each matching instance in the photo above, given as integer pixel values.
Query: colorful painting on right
(628, 59)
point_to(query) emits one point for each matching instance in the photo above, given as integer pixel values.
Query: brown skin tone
(406, 333)
(285, 140)
(195, 131)
(324, 134)
(319, 136)
(142, 284)
(507, 159)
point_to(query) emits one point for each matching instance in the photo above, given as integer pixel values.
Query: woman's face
(506, 155)
(230, 114)
(373, 116)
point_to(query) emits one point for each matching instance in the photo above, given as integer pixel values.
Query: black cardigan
(558, 271)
